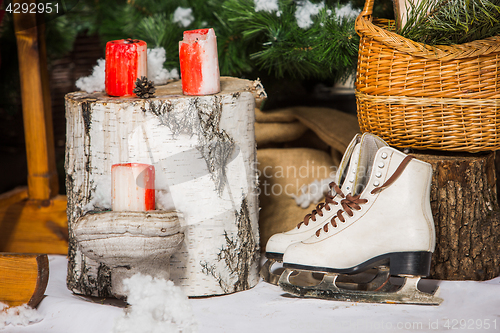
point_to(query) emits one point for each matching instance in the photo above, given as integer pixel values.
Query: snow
(155, 306)
(346, 11)
(164, 200)
(269, 6)
(266, 308)
(183, 16)
(94, 82)
(22, 315)
(101, 198)
(304, 11)
(312, 193)
(156, 72)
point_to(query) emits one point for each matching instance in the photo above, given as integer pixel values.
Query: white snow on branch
(304, 11)
(155, 305)
(183, 16)
(346, 11)
(266, 5)
(312, 193)
(22, 315)
(156, 72)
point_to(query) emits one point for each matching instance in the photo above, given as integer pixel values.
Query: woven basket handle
(368, 8)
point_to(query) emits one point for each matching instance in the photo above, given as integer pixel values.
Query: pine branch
(283, 48)
(248, 40)
(449, 22)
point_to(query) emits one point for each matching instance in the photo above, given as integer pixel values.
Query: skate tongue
(369, 146)
(348, 177)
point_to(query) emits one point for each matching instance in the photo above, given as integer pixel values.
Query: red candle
(199, 62)
(126, 60)
(132, 187)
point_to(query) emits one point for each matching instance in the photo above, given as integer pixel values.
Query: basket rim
(366, 28)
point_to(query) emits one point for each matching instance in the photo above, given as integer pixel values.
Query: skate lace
(329, 199)
(353, 202)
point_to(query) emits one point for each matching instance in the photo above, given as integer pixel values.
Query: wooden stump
(203, 149)
(466, 214)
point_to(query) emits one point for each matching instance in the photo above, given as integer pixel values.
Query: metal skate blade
(372, 279)
(305, 278)
(269, 274)
(272, 270)
(328, 288)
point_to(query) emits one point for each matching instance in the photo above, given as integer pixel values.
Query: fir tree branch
(449, 22)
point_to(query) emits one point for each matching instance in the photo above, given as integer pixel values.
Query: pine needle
(446, 22)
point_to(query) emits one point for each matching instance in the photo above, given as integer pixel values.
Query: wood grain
(466, 214)
(23, 278)
(32, 226)
(37, 113)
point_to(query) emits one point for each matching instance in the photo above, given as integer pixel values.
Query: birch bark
(203, 149)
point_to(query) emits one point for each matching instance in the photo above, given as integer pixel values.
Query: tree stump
(466, 214)
(204, 152)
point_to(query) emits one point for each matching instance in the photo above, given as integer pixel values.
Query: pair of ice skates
(375, 225)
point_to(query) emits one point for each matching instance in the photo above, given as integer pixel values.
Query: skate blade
(272, 275)
(267, 273)
(368, 280)
(330, 289)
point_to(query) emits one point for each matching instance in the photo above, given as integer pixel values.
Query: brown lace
(319, 208)
(352, 202)
(395, 175)
(348, 204)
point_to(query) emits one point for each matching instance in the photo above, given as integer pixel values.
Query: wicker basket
(427, 97)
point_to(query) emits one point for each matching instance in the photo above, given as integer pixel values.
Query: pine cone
(144, 88)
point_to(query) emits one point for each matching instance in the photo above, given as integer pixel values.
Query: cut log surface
(23, 278)
(466, 214)
(204, 153)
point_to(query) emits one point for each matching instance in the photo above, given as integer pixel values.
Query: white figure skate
(388, 223)
(347, 176)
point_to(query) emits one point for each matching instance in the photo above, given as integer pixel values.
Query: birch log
(204, 153)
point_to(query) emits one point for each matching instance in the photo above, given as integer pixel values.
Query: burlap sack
(279, 211)
(278, 132)
(277, 116)
(282, 172)
(334, 127)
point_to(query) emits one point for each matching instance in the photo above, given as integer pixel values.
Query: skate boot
(388, 223)
(347, 175)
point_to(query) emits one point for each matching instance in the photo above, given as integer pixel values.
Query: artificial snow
(156, 72)
(346, 11)
(20, 315)
(266, 308)
(164, 200)
(155, 306)
(312, 193)
(304, 11)
(101, 197)
(269, 6)
(94, 82)
(183, 16)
